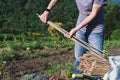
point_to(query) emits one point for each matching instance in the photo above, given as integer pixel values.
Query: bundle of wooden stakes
(93, 65)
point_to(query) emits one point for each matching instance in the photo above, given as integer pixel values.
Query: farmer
(89, 26)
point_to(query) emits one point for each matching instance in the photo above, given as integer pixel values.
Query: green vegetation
(11, 48)
(66, 69)
(23, 36)
(20, 16)
(28, 49)
(112, 44)
(24, 48)
(112, 20)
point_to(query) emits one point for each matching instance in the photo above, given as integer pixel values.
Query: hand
(71, 33)
(44, 16)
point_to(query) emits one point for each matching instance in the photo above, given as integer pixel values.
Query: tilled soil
(16, 69)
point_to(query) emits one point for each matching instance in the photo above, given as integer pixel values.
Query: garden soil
(18, 68)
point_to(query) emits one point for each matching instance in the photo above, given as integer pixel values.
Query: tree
(112, 19)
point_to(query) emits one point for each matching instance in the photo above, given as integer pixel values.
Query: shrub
(115, 35)
(53, 32)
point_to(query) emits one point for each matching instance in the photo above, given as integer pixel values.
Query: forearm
(43, 17)
(88, 19)
(52, 4)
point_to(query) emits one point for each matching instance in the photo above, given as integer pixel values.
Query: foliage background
(19, 16)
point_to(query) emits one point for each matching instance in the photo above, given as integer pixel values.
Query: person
(89, 26)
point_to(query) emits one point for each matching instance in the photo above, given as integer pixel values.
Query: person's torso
(85, 8)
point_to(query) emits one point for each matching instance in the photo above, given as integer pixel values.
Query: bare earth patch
(16, 69)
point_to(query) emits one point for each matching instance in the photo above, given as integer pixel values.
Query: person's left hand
(71, 33)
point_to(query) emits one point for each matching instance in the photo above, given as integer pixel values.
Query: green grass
(29, 47)
(65, 69)
(112, 44)
(24, 47)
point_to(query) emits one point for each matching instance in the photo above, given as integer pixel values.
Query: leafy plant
(105, 53)
(2, 65)
(115, 35)
(53, 32)
(54, 69)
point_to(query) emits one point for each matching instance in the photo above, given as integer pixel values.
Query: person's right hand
(71, 33)
(44, 16)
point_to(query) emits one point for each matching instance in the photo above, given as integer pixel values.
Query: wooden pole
(79, 41)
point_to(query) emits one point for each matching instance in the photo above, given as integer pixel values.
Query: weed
(2, 65)
(105, 53)
(53, 32)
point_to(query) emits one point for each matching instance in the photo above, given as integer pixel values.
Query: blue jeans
(94, 39)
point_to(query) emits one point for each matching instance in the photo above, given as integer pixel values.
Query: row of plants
(28, 45)
(21, 49)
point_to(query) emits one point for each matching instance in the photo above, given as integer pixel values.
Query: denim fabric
(114, 72)
(75, 71)
(94, 39)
